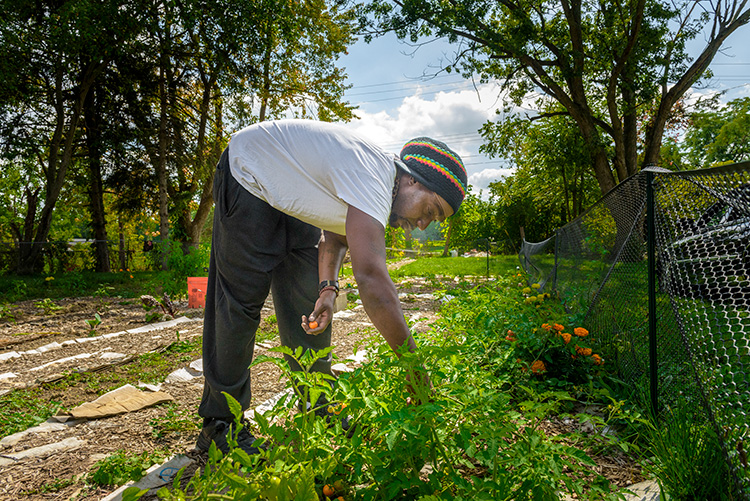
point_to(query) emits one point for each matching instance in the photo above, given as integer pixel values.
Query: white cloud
(481, 180)
(453, 117)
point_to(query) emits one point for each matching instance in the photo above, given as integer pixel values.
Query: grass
(456, 266)
(124, 284)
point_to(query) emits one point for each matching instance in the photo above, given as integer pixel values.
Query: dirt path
(38, 347)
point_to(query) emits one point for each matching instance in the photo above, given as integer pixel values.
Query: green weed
(22, 409)
(687, 456)
(93, 323)
(176, 421)
(56, 486)
(6, 313)
(47, 306)
(123, 466)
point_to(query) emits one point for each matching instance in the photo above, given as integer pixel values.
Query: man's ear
(412, 179)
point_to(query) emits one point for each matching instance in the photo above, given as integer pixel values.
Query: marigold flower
(558, 327)
(580, 332)
(583, 351)
(538, 367)
(546, 327)
(566, 337)
(534, 286)
(526, 290)
(597, 359)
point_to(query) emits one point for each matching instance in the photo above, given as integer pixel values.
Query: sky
(401, 94)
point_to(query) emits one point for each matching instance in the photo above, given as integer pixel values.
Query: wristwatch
(329, 284)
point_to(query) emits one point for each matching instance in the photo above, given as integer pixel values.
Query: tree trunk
(448, 238)
(61, 149)
(122, 251)
(92, 120)
(161, 163)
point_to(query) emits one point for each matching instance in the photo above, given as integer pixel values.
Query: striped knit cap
(437, 167)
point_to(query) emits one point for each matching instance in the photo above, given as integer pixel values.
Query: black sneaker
(216, 430)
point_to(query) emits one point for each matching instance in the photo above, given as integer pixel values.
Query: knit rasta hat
(437, 167)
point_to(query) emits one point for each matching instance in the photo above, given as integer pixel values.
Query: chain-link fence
(659, 268)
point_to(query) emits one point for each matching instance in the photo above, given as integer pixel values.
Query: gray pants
(255, 248)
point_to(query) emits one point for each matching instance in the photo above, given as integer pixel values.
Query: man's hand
(331, 252)
(418, 385)
(321, 316)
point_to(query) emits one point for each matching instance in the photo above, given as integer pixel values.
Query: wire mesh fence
(80, 255)
(660, 269)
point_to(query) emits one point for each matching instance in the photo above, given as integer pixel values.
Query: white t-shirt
(313, 171)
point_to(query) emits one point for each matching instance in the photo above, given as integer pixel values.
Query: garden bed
(56, 355)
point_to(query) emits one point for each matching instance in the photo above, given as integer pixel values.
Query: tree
(602, 63)
(719, 135)
(235, 64)
(551, 162)
(473, 224)
(52, 54)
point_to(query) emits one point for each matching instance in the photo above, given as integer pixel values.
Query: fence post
(651, 250)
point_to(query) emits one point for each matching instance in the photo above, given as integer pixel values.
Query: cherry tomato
(313, 324)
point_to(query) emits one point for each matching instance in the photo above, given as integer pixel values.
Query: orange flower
(566, 337)
(558, 327)
(583, 351)
(511, 336)
(580, 332)
(538, 367)
(546, 327)
(597, 359)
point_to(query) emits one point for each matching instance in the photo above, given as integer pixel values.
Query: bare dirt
(39, 349)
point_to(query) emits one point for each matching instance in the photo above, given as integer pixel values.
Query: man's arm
(366, 239)
(331, 252)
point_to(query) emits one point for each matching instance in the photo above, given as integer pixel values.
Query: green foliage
(601, 231)
(719, 135)
(47, 306)
(6, 313)
(183, 264)
(552, 183)
(22, 409)
(477, 427)
(123, 466)
(599, 66)
(13, 288)
(175, 422)
(473, 224)
(93, 323)
(687, 457)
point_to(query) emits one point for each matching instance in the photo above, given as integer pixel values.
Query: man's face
(416, 206)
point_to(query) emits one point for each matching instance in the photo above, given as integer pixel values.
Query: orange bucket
(197, 291)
